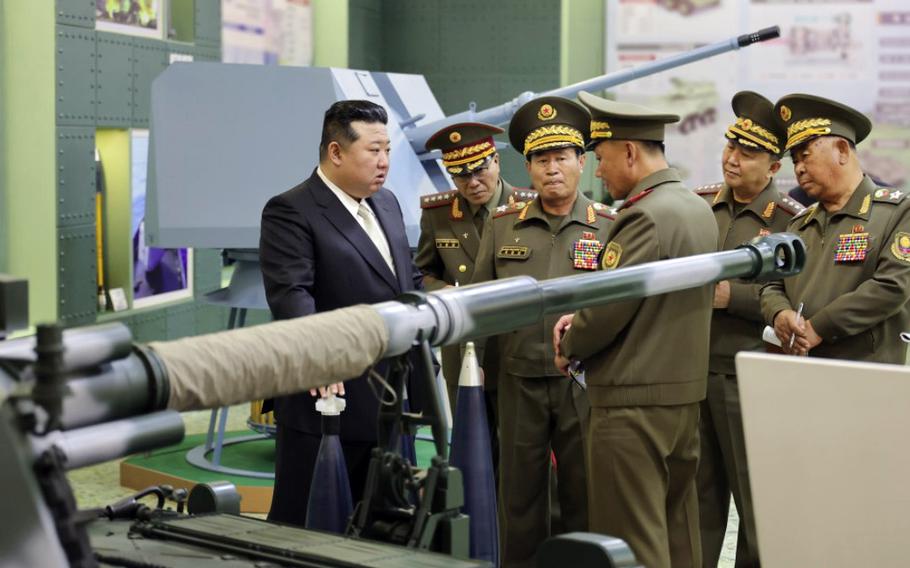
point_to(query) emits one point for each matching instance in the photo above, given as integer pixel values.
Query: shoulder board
(888, 195)
(808, 209)
(504, 210)
(522, 194)
(432, 200)
(709, 189)
(605, 211)
(790, 206)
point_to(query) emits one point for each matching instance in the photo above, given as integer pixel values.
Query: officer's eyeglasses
(466, 178)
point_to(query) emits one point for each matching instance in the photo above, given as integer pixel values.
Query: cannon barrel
(291, 356)
(502, 114)
(459, 314)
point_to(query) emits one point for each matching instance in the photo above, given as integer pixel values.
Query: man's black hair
(653, 146)
(336, 126)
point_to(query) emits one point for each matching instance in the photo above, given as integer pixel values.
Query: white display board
(854, 51)
(826, 443)
(267, 32)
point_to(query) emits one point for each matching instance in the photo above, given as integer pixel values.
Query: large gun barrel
(292, 356)
(502, 114)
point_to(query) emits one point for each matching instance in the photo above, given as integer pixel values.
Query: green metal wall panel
(206, 271)
(149, 326)
(114, 80)
(76, 13)
(210, 318)
(207, 22)
(75, 58)
(149, 59)
(469, 51)
(181, 320)
(77, 299)
(104, 80)
(207, 53)
(75, 175)
(366, 34)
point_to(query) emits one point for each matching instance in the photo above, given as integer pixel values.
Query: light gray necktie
(374, 231)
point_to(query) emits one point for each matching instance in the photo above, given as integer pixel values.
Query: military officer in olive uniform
(645, 360)
(559, 233)
(746, 205)
(452, 223)
(856, 282)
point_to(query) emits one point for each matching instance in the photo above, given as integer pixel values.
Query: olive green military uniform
(856, 281)
(446, 251)
(538, 407)
(722, 466)
(646, 360)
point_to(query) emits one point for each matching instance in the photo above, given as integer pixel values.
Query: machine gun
(83, 396)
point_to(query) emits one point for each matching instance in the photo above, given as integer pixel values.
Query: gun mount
(84, 396)
(210, 121)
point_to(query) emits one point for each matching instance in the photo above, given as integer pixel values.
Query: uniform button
(462, 268)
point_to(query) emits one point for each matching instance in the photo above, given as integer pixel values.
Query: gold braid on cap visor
(745, 128)
(468, 154)
(600, 129)
(551, 136)
(802, 130)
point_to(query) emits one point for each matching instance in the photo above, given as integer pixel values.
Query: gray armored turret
(225, 138)
(80, 397)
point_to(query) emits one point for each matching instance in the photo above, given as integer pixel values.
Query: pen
(799, 314)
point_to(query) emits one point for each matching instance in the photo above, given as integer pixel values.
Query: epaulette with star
(888, 195)
(602, 210)
(708, 189)
(439, 199)
(504, 210)
(790, 206)
(524, 194)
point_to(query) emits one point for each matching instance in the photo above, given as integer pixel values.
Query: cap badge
(747, 123)
(546, 112)
(785, 113)
(455, 137)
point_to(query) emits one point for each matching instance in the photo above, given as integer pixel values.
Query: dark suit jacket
(315, 257)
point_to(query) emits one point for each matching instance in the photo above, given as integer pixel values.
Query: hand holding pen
(799, 316)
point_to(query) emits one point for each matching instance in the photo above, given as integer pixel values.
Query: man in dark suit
(335, 240)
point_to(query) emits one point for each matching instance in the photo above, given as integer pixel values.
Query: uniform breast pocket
(513, 252)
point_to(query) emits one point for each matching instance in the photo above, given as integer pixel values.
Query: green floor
(258, 455)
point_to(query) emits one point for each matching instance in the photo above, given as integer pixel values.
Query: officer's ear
(775, 166)
(842, 147)
(632, 152)
(334, 152)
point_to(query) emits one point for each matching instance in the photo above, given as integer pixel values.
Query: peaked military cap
(611, 120)
(807, 116)
(755, 125)
(465, 146)
(549, 123)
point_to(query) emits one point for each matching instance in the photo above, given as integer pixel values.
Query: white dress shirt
(365, 217)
